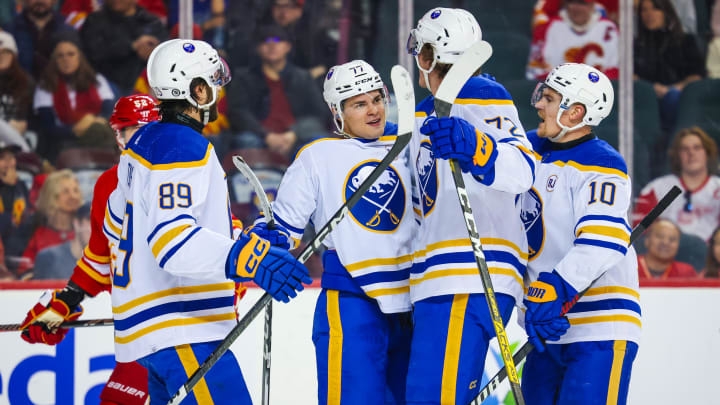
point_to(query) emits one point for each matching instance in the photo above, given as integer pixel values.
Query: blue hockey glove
(544, 317)
(273, 269)
(278, 236)
(455, 138)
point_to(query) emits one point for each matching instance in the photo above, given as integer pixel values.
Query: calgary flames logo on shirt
(427, 172)
(382, 207)
(531, 216)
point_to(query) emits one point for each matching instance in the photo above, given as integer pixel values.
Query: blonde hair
(47, 198)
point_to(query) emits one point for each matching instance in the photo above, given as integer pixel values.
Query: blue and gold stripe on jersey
(606, 305)
(112, 225)
(604, 231)
(169, 236)
(179, 306)
(172, 146)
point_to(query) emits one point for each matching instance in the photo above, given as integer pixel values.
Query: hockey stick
(16, 327)
(243, 167)
(457, 76)
(527, 347)
(406, 107)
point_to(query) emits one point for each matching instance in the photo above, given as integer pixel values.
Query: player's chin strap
(425, 72)
(565, 129)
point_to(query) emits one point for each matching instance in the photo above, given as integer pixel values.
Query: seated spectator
(13, 195)
(693, 161)
(57, 262)
(544, 10)
(70, 98)
(713, 55)
(665, 56)
(662, 242)
(579, 34)
(16, 90)
(76, 11)
(118, 40)
(312, 48)
(273, 102)
(712, 266)
(34, 29)
(59, 199)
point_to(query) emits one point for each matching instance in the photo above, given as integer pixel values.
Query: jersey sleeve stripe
(606, 304)
(177, 247)
(173, 307)
(167, 237)
(284, 223)
(113, 226)
(607, 218)
(420, 114)
(378, 262)
(608, 245)
(96, 258)
(108, 234)
(102, 279)
(173, 291)
(605, 318)
(162, 224)
(383, 277)
(175, 322)
(605, 231)
(108, 211)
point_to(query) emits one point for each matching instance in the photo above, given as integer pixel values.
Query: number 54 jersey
(575, 218)
(169, 226)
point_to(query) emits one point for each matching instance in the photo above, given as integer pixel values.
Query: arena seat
(700, 105)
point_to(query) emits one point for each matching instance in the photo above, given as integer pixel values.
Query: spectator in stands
(5, 274)
(693, 161)
(210, 17)
(13, 196)
(59, 199)
(312, 48)
(76, 11)
(57, 262)
(544, 10)
(579, 34)
(34, 29)
(662, 243)
(118, 40)
(665, 56)
(71, 100)
(713, 56)
(712, 265)
(273, 102)
(16, 90)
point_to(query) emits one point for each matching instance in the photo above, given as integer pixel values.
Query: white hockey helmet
(175, 63)
(579, 83)
(450, 32)
(349, 80)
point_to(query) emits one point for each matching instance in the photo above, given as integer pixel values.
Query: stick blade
(405, 99)
(462, 70)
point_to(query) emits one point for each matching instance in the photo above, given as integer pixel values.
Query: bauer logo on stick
(427, 170)
(382, 207)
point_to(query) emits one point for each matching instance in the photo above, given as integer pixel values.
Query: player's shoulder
(538, 144)
(592, 156)
(425, 107)
(391, 128)
(483, 90)
(162, 146)
(319, 145)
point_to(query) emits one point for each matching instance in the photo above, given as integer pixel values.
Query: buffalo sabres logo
(531, 216)
(382, 207)
(427, 173)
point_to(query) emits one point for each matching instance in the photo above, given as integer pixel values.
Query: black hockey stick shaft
(400, 143)
(16, 327)
(526, 348)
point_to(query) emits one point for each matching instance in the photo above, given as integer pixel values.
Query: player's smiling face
(547, 109)
(364, 115)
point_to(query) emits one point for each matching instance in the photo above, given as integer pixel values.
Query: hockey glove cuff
(544, 316)
(41, 325)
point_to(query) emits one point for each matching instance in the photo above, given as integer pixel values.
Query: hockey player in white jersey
(362, 323)
(452, 324)
(578, 232)
(170, 230)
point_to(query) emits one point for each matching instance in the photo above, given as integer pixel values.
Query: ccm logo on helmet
(368, 79)
(188, 47)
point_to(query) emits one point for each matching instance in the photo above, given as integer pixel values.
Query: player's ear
(201, 92)
(577, 112)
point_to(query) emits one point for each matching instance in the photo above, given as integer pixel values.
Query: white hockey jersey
(444, 262)
(170, 230)
(697, 212)
(576, 220)
(370, 250)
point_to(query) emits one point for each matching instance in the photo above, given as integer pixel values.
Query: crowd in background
(64, 63)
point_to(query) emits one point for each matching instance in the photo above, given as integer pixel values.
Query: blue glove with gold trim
(273, 269)
(279, 236)
(455, 138)
(544, 316)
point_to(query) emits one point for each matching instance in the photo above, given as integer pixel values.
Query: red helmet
(133, 110)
